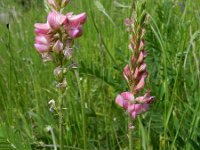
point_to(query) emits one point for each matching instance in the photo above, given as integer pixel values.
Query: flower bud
(52, 105)
(52, 4)
(64, 3)
(62, 85)
(127, 72)
(58, 46)
(142, 67)
(58, 73)
(133, 60)
(136, 72)
(67, 53)
(141, 46)
(46, 56)
(140, 57)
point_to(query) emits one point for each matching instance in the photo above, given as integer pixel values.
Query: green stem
(130, 138)
(82, 109)
(61, 122)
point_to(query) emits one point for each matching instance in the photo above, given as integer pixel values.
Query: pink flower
(42, 28)
(124, 99)
(73, 24)
(76, 20)
(141, 57)
(55, 19)
(141, 82)
(42, 43)
(41, 48)
(42, 39)
(75, 32)
(128, 102)
(147, 98)
(136, 109)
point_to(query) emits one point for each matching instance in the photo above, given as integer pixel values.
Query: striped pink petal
(147, 98)
(136, 73)
(55, 19)
(42, 28)
(41, 39)
(75, 32)
(120, 100)
(76, 20)
(41, 48)
(124, 98)
(141, 57)
(141, 83)
(128, 96)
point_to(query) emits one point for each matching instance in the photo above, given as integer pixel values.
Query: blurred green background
(27, 84)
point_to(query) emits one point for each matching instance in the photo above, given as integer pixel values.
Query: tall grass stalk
(82, 109)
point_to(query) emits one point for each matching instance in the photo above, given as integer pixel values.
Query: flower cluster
(135, 72)
(54, 39)
(58, 33)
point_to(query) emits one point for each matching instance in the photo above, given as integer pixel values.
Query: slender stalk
(82, 109)
(130, 138)
(61, 122)
(53, 138)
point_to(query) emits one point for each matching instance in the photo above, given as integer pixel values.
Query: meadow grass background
(27, 84)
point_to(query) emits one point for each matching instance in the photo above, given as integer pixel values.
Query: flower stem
(82, 109)
(130, 133)
(61, 122)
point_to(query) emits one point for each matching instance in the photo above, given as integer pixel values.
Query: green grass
(27, 84)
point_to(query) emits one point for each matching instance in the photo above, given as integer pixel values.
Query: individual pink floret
(55, 19)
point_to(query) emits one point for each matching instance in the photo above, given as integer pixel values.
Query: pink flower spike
(55, 19)
(76, 20)
(41, 48)
(58, 46)
(42, 28)
(127, 72)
